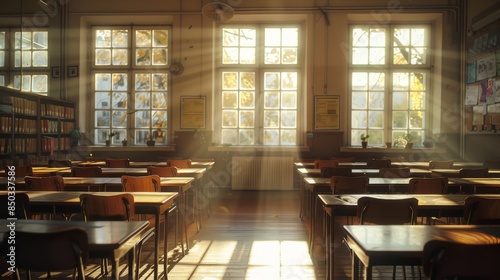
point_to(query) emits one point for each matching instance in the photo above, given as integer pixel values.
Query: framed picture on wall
(193, 111)
(326, 112)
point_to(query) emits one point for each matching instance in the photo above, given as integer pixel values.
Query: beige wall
(326, 58)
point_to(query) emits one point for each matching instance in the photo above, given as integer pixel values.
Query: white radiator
(262, 173)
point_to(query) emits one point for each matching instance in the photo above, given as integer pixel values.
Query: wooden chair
(344, 159)
(179, 163)
(59, 163)
(49, 183)
(473, 173)
(444, 259)
(328, 172)
(319, 163)
(119, 207)
(118, 162)
(440, 164)
(394, 172)
(162, 171)
(87, 171)
(492, 164)
(378, 163)
(437, 185)
(19, 171)
(147, 183)
(52, 251)
(371, 210)
(21, 208)
(481, 211)
(349, 185)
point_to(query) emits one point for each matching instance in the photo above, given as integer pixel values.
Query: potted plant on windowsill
(404, 140)
(364, 140)
(110, 136)
(150, 142)
(124, 142)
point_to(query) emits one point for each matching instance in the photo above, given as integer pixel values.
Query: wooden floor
(249, 235)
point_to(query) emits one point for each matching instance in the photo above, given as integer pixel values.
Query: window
(259, 72)
(29, 52)
(131, 84)
(389, 88)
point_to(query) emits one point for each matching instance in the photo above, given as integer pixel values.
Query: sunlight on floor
(276, 259)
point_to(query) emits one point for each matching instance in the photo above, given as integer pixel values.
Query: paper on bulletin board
(471, 95)
(193, 112)
(326, 112)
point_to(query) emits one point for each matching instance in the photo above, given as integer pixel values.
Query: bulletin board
(193, 112)
(326, 112)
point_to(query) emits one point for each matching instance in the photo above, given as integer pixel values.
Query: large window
(259, 89)
(389, 88)
(131, 84)
(24, 60)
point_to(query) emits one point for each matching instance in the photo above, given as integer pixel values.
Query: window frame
(389, 134)
(259, 68)
(131, 70)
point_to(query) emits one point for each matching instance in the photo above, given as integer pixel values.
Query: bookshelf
(33, 125)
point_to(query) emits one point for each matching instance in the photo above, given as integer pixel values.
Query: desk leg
(165, 247)
(131, 264)
(157, 244)
(330, 247)
(312, 220)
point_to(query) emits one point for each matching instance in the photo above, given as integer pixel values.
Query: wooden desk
(425, 164)
(370, 172)
(145, 203)
(403, 245)
(106, 239)
(315, 186)
(453, 173)
(446, 205)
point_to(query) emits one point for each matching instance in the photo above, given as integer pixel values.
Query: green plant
(364, 137)
(112, 134)
(404, 139)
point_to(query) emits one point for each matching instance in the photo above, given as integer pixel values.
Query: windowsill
(392, 150)
(166, 148)
(258, 149)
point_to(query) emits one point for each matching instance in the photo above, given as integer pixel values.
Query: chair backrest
(52, 251)
(492, 164)
(473, 173)
(378, 163)
(387, 211)
(452, 260)
(19, 171)
(118, 207)
(87, 171)
(59, 163)
(319, 163)
(344, 159)
(21, 207)
(328, 172)
(148, 183)
(437, 164)
(162, 171)
(49, 183)
(118, 162)
(394, 172)
(395, 159)
(179, 163)
(481, 211)
(349, 185)
(428, 185)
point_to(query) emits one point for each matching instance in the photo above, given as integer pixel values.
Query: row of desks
(413, 164)
(156, 204)
(398, 245)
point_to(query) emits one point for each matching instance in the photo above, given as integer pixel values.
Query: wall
(479, 146)
(326, 56)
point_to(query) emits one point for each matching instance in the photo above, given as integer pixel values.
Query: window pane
(271, 100)
(229, 136)
(247, 137)
(289, 119)
(102, 100)
(288, 137)
(39, 83)
(416, 119)
(229, 118)
(271, 119)
(376, 119)
(289, 100)
(120, 118)
(400, 120)
(247, 119)
(376, 100)
(400, 100)
(119, 100)
(229, 99)
(358, 119)
(247, 99)
(271, 137)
